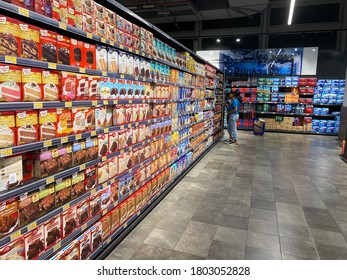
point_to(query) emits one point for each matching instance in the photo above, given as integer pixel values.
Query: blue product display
(317, 111)
(315, 128)
(330, 129)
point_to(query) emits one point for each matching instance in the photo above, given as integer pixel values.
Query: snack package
(14, 250)
(91, 148)
(62, 191)
(85, 245)
(88, 23)
(27, 127)
(50, 85)
(131, 205)
(122, 139)
(110, 32)
(7, 129)
(91, 178)
(34, 243)
(123, 210)
(28, 208)
(122, 59)
(31, 84)
(77, 185)
(64, 126)
(87, 6)
(52, 230)
(64, 156)
(83, 211)
(79, 153)
(46, 163)
(46, 199)
(113, 84)
(69, 221)
(113, 141)
(30, 41)
(10, 34)
(105, 88)
(68, 86)
(130, 65)
(48, 41)
(100, 28)
(10, 83)
(96, 235)
(9, 217)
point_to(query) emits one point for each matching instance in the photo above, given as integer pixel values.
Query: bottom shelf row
(83, 234)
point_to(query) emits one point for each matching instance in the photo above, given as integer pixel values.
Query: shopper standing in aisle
(233, 116)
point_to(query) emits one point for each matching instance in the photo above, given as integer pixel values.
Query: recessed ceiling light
(238, 40)
(295, 49)
(313, 50)
(218, 40)
(211, 53)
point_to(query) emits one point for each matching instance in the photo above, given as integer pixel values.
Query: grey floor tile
(263, 204)
(236, 210)
(263, 241)
(150, 252)
(253, 253)
(328, 252)
(264, 215)
(295, 231)
(194, 245)
(263, 227)
(175, 255)
(299, 248)
(163, 238)
(200, 229)
(328, 238)
(139, 234)
(226, 251)
(320, 219)
(124, 251)
(231, 235)
(232, 221)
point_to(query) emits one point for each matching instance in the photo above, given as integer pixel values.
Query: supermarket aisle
(280, 196)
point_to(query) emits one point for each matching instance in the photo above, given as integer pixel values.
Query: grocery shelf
(293, 103)
(288, 114)
(290, 131)
(121, 233)
(190, 125)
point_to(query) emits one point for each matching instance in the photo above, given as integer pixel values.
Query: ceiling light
(238, 40)
(291, 11)
(295, 49)
(149, 6)
(211, 53)
(313, 50)
(218, 40)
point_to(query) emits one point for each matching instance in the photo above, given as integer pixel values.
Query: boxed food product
(87, 6)
(85, 245)
(122, 59)
(10, 34)
(122, 187)
(14, 250)
(46, 199)
(105, 194)
(46, 163)
(82, 86)
(8, 217)
(10, 83)
(130, 65)
(77, 185)
(114, 219)
(76, 51)
(48, 41)
(94, 88)
(131, 205)
(89, 56)
(75, 4)
(112, 60)
(101, 116)
(103, 171)
(118, 115)
(136, 43)
(68, 86)
(31, 84)
(113, 166)
(30, 41)
(11, 172)
(90, 118)
(82, 209)
(123, 212)
(72, 251)
(63, 49)
(110, 17)
(113, 141)
(78, 153)
(101, 58)
(64, 156)
(106, 226)
(60, 12)
(88, 23)
(78, 120)
(128, 113)
(136, 157)
(122, 139)
(91, 147)
(114, 192)
(64, 125)
(110, 32)
(62, 191)
(69, 221)
(120, 37)
(34, 243)
(129, 136)
(52, 230)
(136, 112)
(91, 178)
(96, 235)
(26, 127)
(103, 144)
(95, 204)
(75, 18)
(129, 90)
(138, 200)
(50, 86)
(44, 7)
(105, 88)
(100, 28)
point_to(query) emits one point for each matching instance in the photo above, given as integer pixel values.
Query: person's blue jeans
(232, 127)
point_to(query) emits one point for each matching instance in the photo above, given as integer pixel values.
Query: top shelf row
(94, 23)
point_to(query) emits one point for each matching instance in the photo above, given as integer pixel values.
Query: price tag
(82, 167)
(66, 206)
(125, 225)
(15, 235)
(130, 101)
(57, 247)
(137, 52)
(49, 180)
(136, 78)
(104, 158)
(78, 136)
(52, 65)
(94, 103)
(68, 104)
(23, 12)
(83, 227)
(38, 105)
(122, 76)
(108, 240)
(154, 101)
(103, 40)
(11, 59)
(115, 101)
(143, 54)
(104, 212)
(106, 130)
(121, 47)
(105, 102)
(47, 143)
(89, 35)
(64, 139)
(122, 127)
(62, 25)
(93, 133)
(144, 79)
(82, 70)
(32, 226)
(92, 192)
(130, 50)
(6, 152)
(104, 73)
(111, 43)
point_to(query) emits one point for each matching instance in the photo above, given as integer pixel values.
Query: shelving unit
(165, 165)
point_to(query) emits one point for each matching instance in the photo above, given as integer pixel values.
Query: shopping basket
(258, 126)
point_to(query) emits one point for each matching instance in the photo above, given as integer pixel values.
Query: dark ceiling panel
(230, 43)
(211, 4)
(233, 22)
(187, 25)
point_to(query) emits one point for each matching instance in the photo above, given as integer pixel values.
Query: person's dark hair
(237, 95)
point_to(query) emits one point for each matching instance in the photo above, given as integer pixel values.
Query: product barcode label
(103, 40)
(23, 12)
(15, 235)
(62, 25)
(32, 226)
(49, 180)
(6, 152)
(64, 139)
(52, 65)
(89, 35)
(11, 59)
(57, 247)
(82, 70)
(82, 167)
(38, 105)
(93, 133)
(78, 136)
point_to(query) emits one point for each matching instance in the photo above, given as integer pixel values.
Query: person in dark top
(232, 117)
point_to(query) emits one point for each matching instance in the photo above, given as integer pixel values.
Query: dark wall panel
(332, 65)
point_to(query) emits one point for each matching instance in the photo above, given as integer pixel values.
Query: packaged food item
(82, 85)
(83, 214)
(103, 115)
(113, 167)
(72, 251)
(85, 245)
(138, 200)
(10, 35)
(62, 191)
(96, 235)
(128, 113)
(130, 65)
(112, 60)
(28, 208)
(78, 153)
(30, 41)
(103, 144)
(122, 163)
(91, 149)
(7, 129)
(8, 217)
(101, 58)
(69, 221)
(34, 243)
(129, 137)
(52, 230)
(75, 18)
(131, 205)
(46, 163)
(105, 88)
(123, 212)
(88, 23)
(91, 178)
(10, 83)
(64, 126)
(120, 37)
(90, 118)
(136, 112)
(122, 139)
(60, 11)
(48, 41)
(64, 156)
(27, 127)
(129, 90)
(105, 226)
(89, 56)
(78, 120)
(14, 250)
(50, 85)
(110, 32)
(31, 84)
(63, 49)
(110, 17)
(76, 51)
(94, 88)
(114, 192)
(68, 86)
(87, 7)
(95, 204)
(44, 7)
(105, 195)
(113, 141)
(118, 115)
(46, 199)
(122, 58)
(100, 28)
(103, 171)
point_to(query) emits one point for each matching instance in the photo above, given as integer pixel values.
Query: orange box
(10, 34)
(48, 124)
(26, 127)
(10, 83)
(30, 41)
(64, 125)
(48, 40)
(63, 50)
(31, 84)
(50, 85)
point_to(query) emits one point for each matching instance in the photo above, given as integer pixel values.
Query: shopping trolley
(258, 126)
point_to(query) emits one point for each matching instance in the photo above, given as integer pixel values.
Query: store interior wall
(343, 115)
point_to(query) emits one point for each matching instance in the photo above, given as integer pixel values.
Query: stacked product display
(92, 135)
(293, 104)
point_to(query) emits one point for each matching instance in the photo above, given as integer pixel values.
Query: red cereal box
(30, 41)
(48, 41)
(76, 51)
(10, 35)
(63, 49)
(68, 86)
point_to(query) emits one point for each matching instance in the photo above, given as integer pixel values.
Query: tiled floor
(280, 196)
